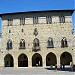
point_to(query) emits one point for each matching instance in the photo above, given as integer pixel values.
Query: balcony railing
(36, 48)
(8, 48)
(50, 46)
(22, 47)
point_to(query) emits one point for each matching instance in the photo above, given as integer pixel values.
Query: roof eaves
(36, 11)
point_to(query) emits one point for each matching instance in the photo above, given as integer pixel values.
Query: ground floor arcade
(37, 60)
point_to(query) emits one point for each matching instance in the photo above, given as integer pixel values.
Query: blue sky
(8, 6)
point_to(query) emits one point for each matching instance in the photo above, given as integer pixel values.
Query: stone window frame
(64, 42)
(48, 19)
(50, 43)
(10, 22)
(9, 44)
(22, 44)
(35, 20)
(62, 19)
(22, 21)
(36, 44)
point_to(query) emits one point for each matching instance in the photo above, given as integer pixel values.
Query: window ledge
(50, 46)
(35, 49)
(22, 48)
(8, 48)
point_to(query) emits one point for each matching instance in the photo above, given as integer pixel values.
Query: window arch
(22, 60)
(50, 43)
(36, 45)
(9, 44)
(66, 58)
(64, 42)
(51, 59)
(37, 60)
(22, 44)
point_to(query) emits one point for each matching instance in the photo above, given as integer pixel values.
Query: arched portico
(51, 59)
(36, 60)
(22, 60)
(65, 58)
(8, 61)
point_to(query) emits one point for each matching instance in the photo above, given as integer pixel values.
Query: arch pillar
(73, 58)
(44, 61)
(29, 62)
(15, 62)
(2, 62)
(58, 62)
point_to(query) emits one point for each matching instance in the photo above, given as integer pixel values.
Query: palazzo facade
(37, 38)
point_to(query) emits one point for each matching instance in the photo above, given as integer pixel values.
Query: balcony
(8, 48)
(50, 46)
(22, 47)
(36, 48)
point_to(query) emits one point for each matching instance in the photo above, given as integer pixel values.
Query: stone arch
(65, 58)
(51, 59)
(8, 61)
(22, 60)
(36, 60)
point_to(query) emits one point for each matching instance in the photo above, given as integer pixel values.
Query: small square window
(22, 30)
(9, 31)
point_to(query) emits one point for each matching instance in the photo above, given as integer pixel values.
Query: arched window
(22, 44)
(50, 43)
(64, 42)
(9, 44)
(36, 45)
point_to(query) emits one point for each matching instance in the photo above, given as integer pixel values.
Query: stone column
(15, 62)
(29, 62)
(44, 62)
(58, 62)
(73, 59)
(2, 63)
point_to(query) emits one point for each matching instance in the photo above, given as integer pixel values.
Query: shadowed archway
(65, 58)
(36, 60)
(51, 59)
(22, 60)
(8, 61)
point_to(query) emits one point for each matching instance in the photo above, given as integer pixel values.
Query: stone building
(0, 43)
(37, 38)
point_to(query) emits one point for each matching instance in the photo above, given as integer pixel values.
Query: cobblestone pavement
(33, 71)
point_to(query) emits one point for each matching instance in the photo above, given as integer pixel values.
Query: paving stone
(33, 71)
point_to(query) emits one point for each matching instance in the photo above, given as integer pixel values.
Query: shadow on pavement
(65, 69)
